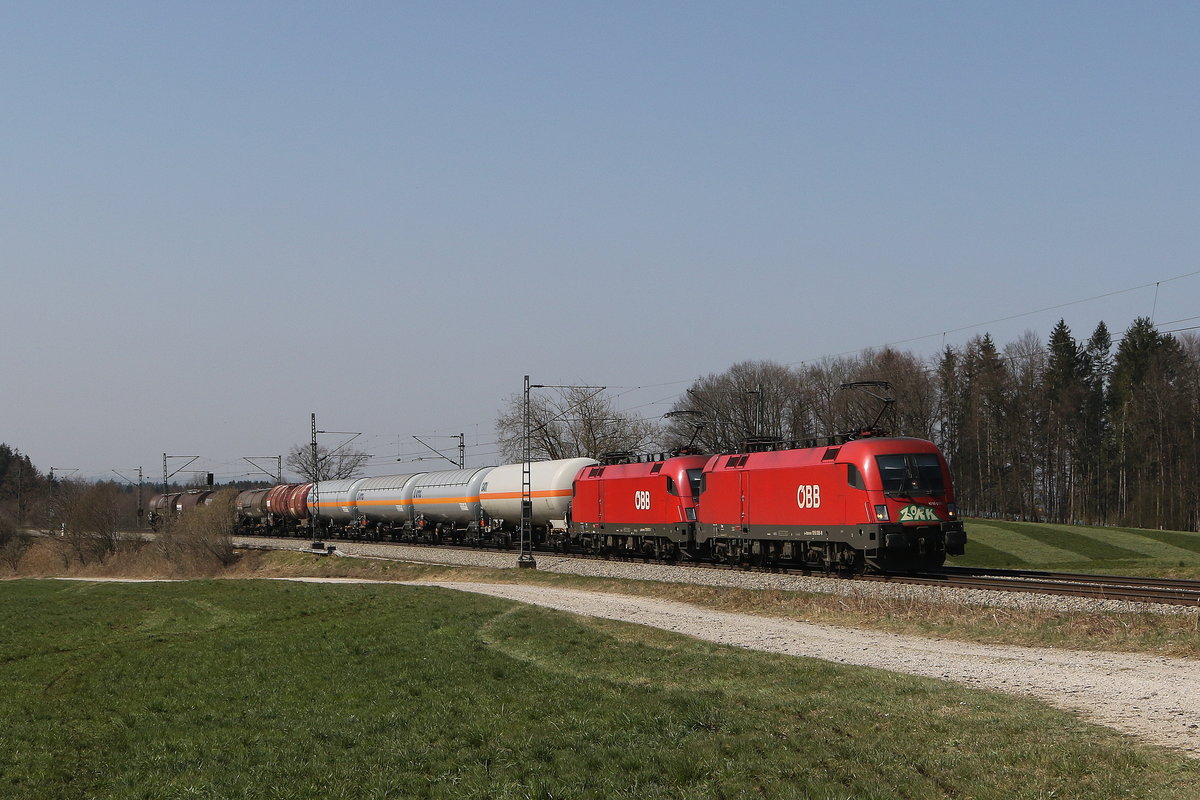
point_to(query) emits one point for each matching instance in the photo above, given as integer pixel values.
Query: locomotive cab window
(671, 487)
(696, 479)
(911, 473)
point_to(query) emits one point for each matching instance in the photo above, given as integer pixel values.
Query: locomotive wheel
(649, 550)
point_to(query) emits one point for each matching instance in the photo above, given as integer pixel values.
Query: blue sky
(218, 218)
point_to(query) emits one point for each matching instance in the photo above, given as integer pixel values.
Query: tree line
(1075, 431)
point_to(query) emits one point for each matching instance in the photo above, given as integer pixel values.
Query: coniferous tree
(1145, 402)
(1065, 389)
(983, 454)
(22, 486)
(1094, 443)
(1025, 425)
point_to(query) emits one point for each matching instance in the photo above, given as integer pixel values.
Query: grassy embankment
(251, 689)
(1076, 548)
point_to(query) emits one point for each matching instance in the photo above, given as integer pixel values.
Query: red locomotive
(646, 507)
(869, 503)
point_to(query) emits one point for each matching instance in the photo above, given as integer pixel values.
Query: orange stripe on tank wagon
(417, 501)
(518, 495)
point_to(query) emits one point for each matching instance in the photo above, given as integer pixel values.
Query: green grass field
(1075, 548)
(254, 689)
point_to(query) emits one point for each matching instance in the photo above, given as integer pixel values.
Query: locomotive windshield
(911, 473)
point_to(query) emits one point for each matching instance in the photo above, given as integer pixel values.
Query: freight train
(871, 503)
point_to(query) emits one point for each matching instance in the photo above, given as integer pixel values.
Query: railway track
(1168, 591)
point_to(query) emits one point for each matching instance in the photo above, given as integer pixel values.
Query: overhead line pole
(140, 509)
(278, 476)
(166, 477)
(316, 466)
(526, 559)
(314, 512)
(462, 450)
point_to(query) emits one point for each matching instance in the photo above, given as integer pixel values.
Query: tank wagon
(551, 490)
(165, 507)
(384, 504)
(469, 506)
(868, 503)
(277, 510)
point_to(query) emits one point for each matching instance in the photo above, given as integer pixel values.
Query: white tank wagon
(450, 497)
(479, 506)
(387, 500)
(550, 483)
(333, 502)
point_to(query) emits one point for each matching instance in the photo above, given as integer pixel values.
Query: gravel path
(1157, 699)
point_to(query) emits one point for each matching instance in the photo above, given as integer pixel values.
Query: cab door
(743, 503)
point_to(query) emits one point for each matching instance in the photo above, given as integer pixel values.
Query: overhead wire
(626, 389)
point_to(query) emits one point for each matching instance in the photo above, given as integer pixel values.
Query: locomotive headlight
(881, 514)
(952, 510)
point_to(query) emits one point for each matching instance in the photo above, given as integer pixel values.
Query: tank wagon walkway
(1154, 698)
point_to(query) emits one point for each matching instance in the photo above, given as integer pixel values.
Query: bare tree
(571, 422)
(13, 543)
(202, 539)
(834, 410)
(91, 519)
(751, 399)
(911, 385)
(341, 462)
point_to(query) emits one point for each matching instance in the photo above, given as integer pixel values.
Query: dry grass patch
(295, 564)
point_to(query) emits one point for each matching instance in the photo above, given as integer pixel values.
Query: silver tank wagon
(387, 498)
(335, 501)
(449, 497)
(550, 482)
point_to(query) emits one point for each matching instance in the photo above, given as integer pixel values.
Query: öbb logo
(641, 501)
(808, 495)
